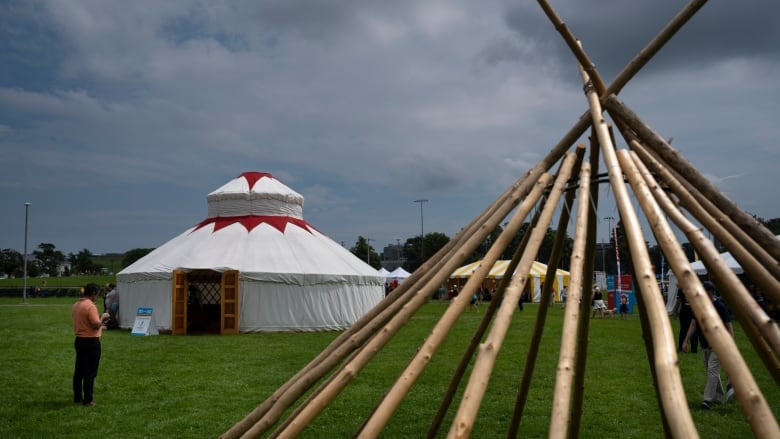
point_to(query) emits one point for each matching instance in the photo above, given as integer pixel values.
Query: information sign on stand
(144, 322)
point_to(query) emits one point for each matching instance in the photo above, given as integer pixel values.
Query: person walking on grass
(713, 390)
(598, 302)
(682, 309)
(623, 307)
(111, 306)
(87, 326)
(474, 302)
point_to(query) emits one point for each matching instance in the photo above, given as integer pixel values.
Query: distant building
(63, 268)
(392, 256)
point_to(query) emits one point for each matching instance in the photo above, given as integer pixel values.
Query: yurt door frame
(183, 298)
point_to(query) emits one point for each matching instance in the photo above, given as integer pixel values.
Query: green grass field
(199, 386)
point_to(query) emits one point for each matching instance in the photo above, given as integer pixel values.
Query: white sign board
(144, 322)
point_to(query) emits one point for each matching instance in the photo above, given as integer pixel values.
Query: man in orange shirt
(87, 325)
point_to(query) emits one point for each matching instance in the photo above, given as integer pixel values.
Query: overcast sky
(118, 118)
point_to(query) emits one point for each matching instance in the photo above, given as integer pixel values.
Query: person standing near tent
(564, 296)
(441, 293)
(87, 326)
(683, 311)
(623, 307)
(112, 306)
(474, 302)
(598, 302)
(713, 390)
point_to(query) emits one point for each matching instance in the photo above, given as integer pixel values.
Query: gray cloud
(369, 105)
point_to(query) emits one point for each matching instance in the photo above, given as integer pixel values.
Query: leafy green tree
(773, 225)
(11, 262)
(656, 258)
(416, 254)
(545, 249)
(488, 242)
(49, 258)
(134, 255)
(689, 251)
(363, 250)
(83, 263)
(509, 251)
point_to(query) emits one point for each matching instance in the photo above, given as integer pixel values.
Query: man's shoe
(89, 404)
(730, 394)
(706, 405)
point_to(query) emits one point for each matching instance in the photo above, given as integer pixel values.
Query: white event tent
(699, 268)
(398, 274)
(254, 264)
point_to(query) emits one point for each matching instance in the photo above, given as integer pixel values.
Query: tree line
(416, 251)
(46, 260)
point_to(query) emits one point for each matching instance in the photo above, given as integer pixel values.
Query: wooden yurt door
(179, 309)
(230, 310)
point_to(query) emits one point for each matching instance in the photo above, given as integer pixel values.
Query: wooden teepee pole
(752, 402)
(410, 288)
(757, 263)
(559, 418)
(463, 364)
(668, 375)
(737, 294)
(583, 319)
(541, 319)
(574, 46)
(759, 327)
(348, 371)
(475, 389)
(647, 339)
(417, 365)
(754, 228)
(268, 413)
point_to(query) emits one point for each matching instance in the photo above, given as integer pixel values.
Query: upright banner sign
(144, 322)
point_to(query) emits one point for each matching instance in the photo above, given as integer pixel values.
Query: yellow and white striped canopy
(499, 268)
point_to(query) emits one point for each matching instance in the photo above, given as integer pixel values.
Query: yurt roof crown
(254, 198)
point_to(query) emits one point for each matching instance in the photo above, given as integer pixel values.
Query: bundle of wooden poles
(665, 185)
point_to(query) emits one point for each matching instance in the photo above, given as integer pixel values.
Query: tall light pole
(422, 230)
(398, 250)
(618, 280)
(368, 250)
(26, 216)
(603, 249)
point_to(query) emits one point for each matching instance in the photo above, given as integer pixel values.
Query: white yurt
(254, 264)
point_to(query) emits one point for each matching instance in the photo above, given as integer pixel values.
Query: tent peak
(254, 194)
(252, 177)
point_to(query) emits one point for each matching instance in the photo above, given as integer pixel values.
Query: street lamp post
(618, 280)
(604, 257)
(26, 216)
(608, 218)
(604, 250)
(368, 250)
(422, 230)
